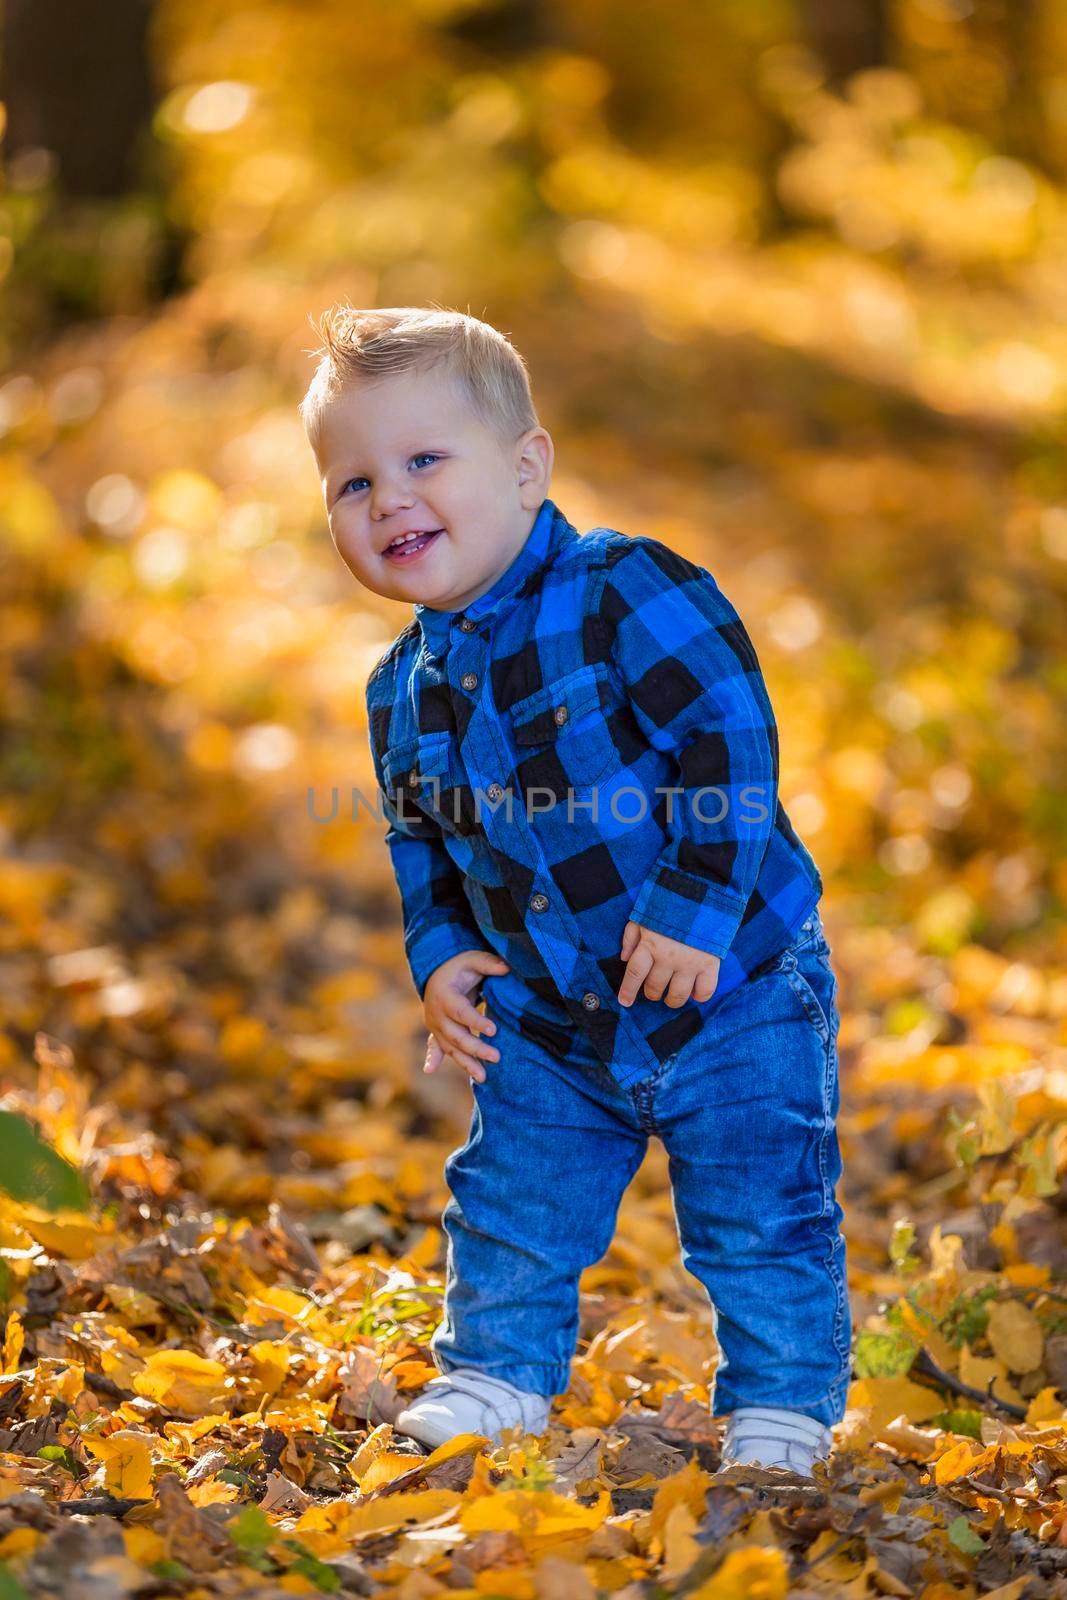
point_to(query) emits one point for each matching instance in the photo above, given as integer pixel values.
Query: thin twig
(925, 1365)
(105, 1505)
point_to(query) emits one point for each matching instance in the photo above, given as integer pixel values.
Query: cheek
(348, 543)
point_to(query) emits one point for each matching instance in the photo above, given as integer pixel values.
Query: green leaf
(234, 1476)
(10, 1587)
(252, 1530)
(901, 1242)
(1037, 1157)
(968, 1316)
(318, 1573)
(965, 1422)
(537, 1474)
(884, 1355)
(63, 1454)
(310, 1567)
(31, 1170)
(964, 1537)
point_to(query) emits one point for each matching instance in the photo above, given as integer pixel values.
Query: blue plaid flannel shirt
(588, 742)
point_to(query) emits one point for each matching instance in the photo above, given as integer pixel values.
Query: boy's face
(407, 453)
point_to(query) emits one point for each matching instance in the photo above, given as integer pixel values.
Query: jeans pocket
(805, 964)
(812, 995)
(808, 937)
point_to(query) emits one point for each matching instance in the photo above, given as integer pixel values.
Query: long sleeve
(438, 922)
(696, 689)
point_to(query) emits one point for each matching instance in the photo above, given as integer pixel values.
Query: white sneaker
(467, 1400)
(763, 1436)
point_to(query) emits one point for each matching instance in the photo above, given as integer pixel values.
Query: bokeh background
(791, 280)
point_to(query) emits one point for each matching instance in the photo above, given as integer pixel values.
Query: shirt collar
(550, 532)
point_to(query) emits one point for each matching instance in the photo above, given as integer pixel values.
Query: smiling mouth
(405, 548)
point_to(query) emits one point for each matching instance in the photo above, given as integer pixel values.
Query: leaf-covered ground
(195, 1403)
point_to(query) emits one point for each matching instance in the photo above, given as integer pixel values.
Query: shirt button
(494, 791)
(590, 1001)
(539, 902)
(414, 778)
(560, 715)
(469, 680)
(468, 625)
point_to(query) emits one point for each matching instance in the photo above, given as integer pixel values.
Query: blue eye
(424, 455)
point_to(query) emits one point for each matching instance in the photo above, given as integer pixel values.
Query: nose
(388, 497)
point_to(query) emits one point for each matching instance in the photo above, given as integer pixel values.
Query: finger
(485, 961)
(636, 967)
(658, 979)
(630, 935)
(458, 1038)
(705, 985)
(466, 1016)
(469, 1065)
(434, 1055)
(681, 987)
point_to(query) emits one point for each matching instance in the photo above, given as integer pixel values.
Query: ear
(536, 455)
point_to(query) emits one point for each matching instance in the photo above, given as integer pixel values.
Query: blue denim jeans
(746, 1111)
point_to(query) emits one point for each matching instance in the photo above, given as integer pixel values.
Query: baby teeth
(407, 539)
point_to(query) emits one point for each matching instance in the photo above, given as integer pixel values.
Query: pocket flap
(553, 709)
(424, 757)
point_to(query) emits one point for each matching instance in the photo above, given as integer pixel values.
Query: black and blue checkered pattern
(588, 742)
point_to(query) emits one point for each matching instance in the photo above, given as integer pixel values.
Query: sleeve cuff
(427, 950)
(688, 908)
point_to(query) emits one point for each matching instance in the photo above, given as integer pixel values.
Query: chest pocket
(426, 772)
(561, 731)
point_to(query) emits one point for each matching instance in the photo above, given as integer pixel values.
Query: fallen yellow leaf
(184, 1381)
(888, 1398)
(540, 1517)
(1044, 1407)
(960, 1459)
(680, 1548)
(270, 1364)
(387, 1465)
(758, 1573)
(1015, 1335)
(127, 1462)
(688, 1488)
(14, 1339)
(346, 1521)
(981, 1371)
(69, 1234)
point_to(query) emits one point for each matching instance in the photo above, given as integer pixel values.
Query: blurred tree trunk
(507, 28)
(76, 80)
(848, 35)
(1014, 34)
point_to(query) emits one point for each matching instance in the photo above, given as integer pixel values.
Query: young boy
(579, 765)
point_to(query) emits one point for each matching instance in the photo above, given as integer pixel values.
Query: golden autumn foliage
(798, 313)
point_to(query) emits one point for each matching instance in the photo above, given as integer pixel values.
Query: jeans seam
(785, 959)
(641, 1094)
(810, 1001)
(834, 1270)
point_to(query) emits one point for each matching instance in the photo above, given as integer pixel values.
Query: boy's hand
(656, 961)
(451, 1018)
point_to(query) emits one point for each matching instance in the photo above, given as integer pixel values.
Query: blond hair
(376, 343)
